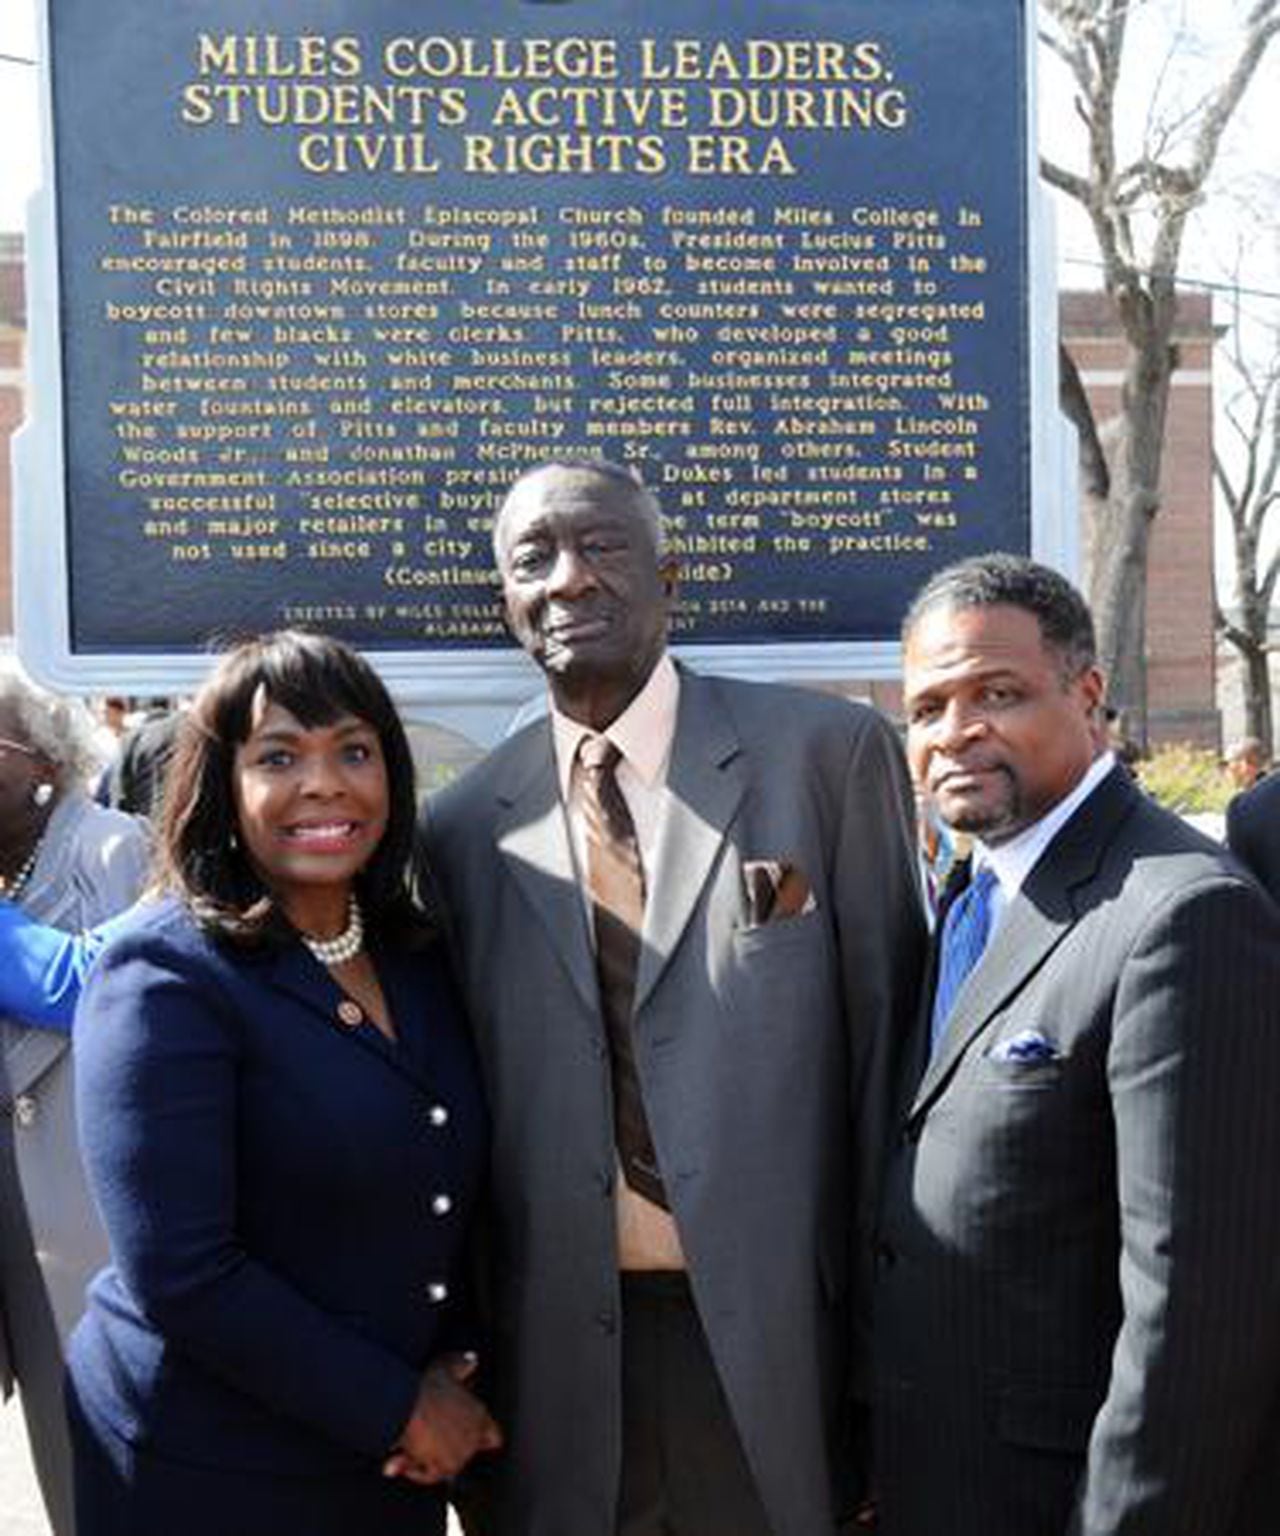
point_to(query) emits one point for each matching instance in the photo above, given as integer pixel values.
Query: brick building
(1180, 639)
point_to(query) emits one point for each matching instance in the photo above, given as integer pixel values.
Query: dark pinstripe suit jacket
(1078, 1292)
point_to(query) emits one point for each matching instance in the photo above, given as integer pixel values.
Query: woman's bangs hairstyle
(317, 679)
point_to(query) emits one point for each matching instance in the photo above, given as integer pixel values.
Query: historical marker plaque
(329, 275)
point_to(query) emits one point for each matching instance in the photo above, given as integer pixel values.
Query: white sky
(19, 132)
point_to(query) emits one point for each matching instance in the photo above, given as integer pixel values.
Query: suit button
(437, 1292)
(441, 1205)
(911, 1133)
(24, 1109)
(607, 1320)
(438, 1115)
(885, 1256)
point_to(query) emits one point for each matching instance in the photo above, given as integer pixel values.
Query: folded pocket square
(1027, 1045)
(776, 889)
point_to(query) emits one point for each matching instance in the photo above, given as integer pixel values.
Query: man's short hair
(1248, 749)
(1012, 581)
(646, 503)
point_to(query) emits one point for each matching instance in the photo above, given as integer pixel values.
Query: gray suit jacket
(91, 865)
(1078, 1277)
(764, 1055)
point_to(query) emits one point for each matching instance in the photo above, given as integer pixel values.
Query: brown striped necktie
(615, 884)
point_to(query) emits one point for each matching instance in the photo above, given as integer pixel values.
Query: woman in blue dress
(282, 1125)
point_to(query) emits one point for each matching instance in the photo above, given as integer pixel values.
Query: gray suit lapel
(28, 1055)
(705, 783)
(532, 836)
(1045, 909)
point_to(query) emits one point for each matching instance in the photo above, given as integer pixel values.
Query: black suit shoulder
(1253, 832)
(1137, 878)
(1262, 801)
(1150, 848)
(1171, 852)
(135, 780)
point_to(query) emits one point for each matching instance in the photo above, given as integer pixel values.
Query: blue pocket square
(1026, 1045)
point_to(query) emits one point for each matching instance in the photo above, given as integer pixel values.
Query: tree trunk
(1117, 590)
(1250, 637)
(1116, 580)
(1257, 698)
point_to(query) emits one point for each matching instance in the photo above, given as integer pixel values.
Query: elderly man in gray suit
(1077, 1323)
(689, 930)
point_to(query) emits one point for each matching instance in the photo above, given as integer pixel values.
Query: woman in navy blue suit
(282, 1125)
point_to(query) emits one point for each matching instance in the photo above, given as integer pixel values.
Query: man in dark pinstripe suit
(1078, 1295)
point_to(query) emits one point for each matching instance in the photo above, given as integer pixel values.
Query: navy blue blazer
(287, 1198)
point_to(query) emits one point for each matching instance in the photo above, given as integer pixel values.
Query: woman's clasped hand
(449, 1425)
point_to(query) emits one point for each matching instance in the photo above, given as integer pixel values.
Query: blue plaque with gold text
(329, 275)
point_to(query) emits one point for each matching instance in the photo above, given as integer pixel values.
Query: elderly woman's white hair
(59, 728)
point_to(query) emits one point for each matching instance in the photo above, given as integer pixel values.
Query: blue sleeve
(43, 969)
(158, 1050)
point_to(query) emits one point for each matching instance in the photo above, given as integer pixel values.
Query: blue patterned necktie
(964, 937)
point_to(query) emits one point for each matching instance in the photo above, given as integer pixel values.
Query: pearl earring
(42, 794)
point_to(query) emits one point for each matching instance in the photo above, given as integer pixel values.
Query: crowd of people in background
(703, 1118)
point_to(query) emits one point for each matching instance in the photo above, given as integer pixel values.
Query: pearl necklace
(12, 889)
(348, 943)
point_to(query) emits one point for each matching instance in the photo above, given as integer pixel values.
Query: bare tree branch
(1139, 206)
(1229, 631)
(1054, 43)
(1222, 479)
(1262, 26)
(1074, 186)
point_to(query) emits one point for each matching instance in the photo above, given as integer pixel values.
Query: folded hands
(448, 1426)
